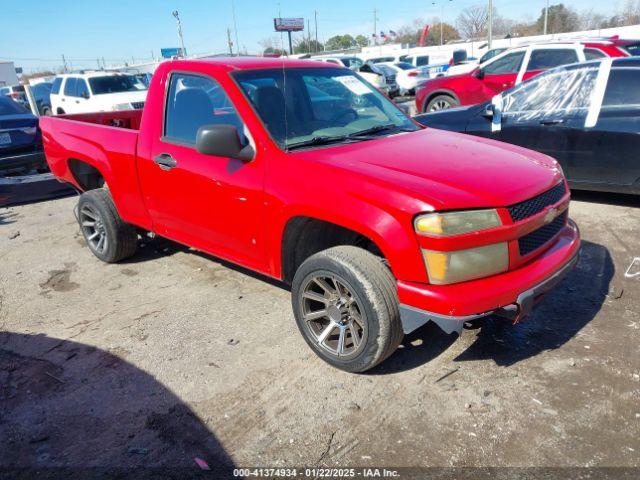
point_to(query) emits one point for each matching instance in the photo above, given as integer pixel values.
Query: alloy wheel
(93, 229)
(332, 315)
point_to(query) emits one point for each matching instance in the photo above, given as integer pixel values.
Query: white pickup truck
(96, 92)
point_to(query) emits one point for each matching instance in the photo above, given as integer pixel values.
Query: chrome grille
(537, 204)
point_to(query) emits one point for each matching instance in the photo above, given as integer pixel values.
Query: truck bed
(104, 141)
(129, 119)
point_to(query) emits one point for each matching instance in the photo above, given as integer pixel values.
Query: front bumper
(511, 294)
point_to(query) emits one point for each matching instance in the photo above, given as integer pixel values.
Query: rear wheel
(46, 111)
(346, 307)
(108, 237)
(441, 102)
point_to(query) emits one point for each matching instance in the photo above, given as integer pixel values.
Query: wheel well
(60, 111)
(87, 176)
(437, 94)
(305, 236)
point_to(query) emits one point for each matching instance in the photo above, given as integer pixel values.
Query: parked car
(505, 70)
(593, 132)
(406, 76)
(389, 74)
(379, 226)
(20, 140)
(15, 93)
(375, 77)
(471, 64)
(96, 92)
(42, 95)
(348, 61)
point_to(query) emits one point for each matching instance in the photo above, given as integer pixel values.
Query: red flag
(423, 37)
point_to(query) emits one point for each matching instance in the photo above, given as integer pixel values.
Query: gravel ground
(174, 355)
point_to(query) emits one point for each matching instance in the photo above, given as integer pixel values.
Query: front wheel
(346, 306)
(441, 102)
(108, 237)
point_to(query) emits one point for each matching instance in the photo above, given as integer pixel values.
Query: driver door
(212, 203)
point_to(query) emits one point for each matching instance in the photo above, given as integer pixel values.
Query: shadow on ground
(557, 319)
(69, 410)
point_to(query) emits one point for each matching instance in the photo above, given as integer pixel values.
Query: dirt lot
(174, 355)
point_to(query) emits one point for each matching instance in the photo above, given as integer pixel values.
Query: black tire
(441, 102)
(372, 286)
(46, 111)
(120, 238)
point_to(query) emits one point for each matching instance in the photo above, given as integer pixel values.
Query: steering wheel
(344, 113)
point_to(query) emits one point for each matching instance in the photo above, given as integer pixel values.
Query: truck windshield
(300, 105)
(115, 84)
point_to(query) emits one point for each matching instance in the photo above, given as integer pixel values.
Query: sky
(36, 34)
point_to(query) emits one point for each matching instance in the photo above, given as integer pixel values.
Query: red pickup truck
(304, 172)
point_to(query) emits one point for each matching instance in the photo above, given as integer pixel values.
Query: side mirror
(85, 95)
(479, 73)
(222, 141)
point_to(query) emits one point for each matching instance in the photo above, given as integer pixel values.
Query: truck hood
(446, 170)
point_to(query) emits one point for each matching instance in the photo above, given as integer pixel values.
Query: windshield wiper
(376, 129)
(355, 136)
(321, 140)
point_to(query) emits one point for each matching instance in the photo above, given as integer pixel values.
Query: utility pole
(375, 24)
(235, 25)
(64, 63)
(546, 17)
(184, 50)
(104, 65)
(229, 42)
(490, 29)
(315, 17)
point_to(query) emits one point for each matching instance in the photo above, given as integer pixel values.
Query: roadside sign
(172, 52)
(288, 24)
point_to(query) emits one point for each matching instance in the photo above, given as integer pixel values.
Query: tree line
(472, 23)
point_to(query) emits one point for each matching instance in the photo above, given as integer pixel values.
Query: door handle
(547, 123)
(165, 161)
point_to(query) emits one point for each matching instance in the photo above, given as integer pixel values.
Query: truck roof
(253, 63)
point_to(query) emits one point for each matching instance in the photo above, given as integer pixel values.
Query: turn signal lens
(456, 223)
(462, 265)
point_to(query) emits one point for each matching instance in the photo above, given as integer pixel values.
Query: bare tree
(591, 20)
(630, 13)
(472, 21)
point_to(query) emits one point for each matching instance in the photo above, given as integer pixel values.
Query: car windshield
(9, 107)
(404, 66)
(320, 105)
(633, 49)
(115, 84)
(352, 62)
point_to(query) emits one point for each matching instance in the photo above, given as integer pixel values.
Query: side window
(81, 88)
(70, 87)
(545, 59)
(366, 68)
(422, 61)
(623, 89)
(510, 63)
(560, 93)
(193, 102)
(55, 88)
(593, 54)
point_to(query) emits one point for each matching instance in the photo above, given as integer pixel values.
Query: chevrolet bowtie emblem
(551, 214)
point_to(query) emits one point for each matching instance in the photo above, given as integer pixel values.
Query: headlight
(462, 265)
(123, 106)
(456, 223)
